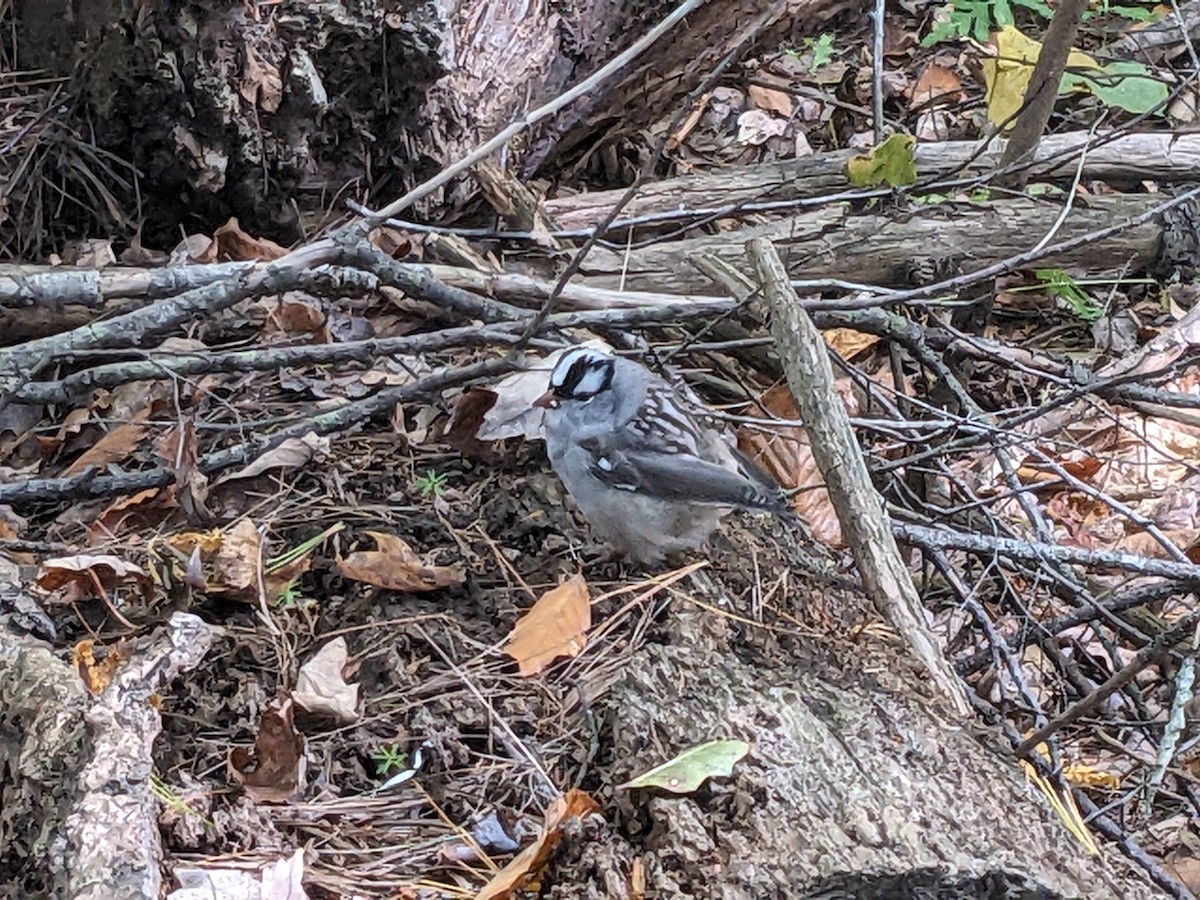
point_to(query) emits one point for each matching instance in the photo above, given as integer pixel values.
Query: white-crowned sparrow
(648, 473)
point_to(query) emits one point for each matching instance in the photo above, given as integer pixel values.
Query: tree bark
(852, 787)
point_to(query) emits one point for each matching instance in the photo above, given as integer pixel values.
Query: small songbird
(649, 474)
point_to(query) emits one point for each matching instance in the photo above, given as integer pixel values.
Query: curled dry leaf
(289, 454)
(756, 127)
(785, 453)
(321, 686)
(936, 86)
(237, 561)
(556, 625)
(274, 771)
(466, 421)
(91, 575)
(234, 244)
(575, 804)
(395, 567)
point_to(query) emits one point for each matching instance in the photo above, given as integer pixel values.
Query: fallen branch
(91, 484)
(859, 508)
(990, 546)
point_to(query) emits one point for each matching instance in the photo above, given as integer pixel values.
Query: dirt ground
(432, 676)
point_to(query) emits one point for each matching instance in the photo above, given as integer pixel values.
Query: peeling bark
(79, 819)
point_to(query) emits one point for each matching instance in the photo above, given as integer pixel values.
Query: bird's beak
(546, 401)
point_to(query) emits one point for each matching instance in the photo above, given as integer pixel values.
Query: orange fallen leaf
(786, 455)
(848, 343)
(936, 86)
(556, 625)
(575, 804)
(395, 567)
(235, 244)
(771, 100)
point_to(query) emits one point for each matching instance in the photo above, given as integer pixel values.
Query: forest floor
(426, 673)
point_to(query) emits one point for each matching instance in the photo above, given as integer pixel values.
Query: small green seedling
(389, 758)
(978, 18)
(432, 483)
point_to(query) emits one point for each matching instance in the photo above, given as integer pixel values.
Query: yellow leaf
(1007, 73)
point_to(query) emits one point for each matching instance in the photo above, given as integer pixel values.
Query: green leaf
(691, 768)
(890, 163)
(822, 52)
(1125, 85)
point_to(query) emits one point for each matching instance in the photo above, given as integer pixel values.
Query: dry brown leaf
(1187, 870)
(936, 86)
(395, 567)
(848, 343)
(187, 541)
(395, 244)
(145, 509)
(786, 455)
(321, 686)
(237, 561)
(261, 83)
(689, 123)
(556, 625)
(466, 421)
(11, 525)
(116, 445)
(96, 675)
(91, 575)
(293, 453)
(235, 244)
(274, 771)
(295, 314)
(771, 100)
(1143, 544)
(575, 804)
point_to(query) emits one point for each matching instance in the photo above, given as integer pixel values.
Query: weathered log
(1158, 156)
(80, 819)
(878, 247)
(851, 789)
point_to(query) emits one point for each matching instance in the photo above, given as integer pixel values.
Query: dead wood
(1042, 91)
(852, 790)
(835, 449)
(1130, 158)
(80, 816)
(879, 248)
